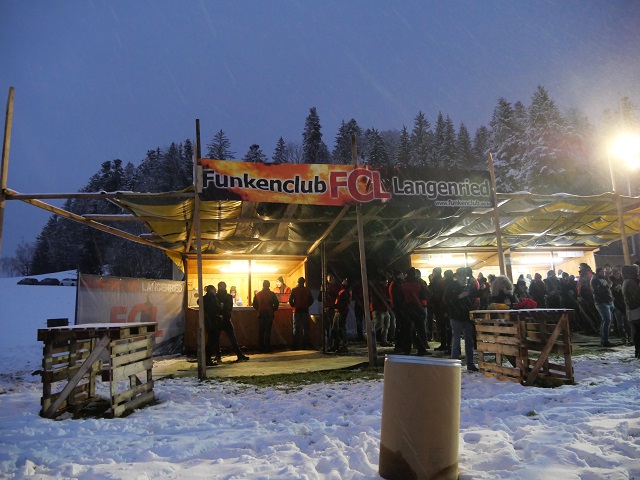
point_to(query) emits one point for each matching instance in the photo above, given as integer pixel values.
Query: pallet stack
(74, 356)
(518, 345)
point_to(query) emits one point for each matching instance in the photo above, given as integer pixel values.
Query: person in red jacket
(301, 299)
(265, 302)
(413, 293)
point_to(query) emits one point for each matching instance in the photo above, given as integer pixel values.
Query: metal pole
(623, 231)
(8, 121)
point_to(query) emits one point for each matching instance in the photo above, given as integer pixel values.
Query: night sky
(99, 80)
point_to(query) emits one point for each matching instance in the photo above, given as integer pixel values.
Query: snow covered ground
(223, 430)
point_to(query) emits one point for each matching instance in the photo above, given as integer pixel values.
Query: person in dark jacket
(588, 314)
(301, 299)
(226, 306)
(211, 325)
(437, 310)
(459, 298)
(538, 291)
(413, 293)
(397, 300)
(266, 303)
(620, 310)
(339, 328)
(603, 300)
(554, 291)
(631, 293)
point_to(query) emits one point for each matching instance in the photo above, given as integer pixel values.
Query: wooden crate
(515, 345)
(73, 356)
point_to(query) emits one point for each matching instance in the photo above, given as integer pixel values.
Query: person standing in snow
(459, 296)
(603, 300)
(631, 293)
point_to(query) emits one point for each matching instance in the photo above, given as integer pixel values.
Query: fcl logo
(362, 185)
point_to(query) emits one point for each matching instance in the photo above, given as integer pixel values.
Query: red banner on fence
(132, 300)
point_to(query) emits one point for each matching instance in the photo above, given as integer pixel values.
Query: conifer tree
(376, 151)
(464, 149)
(314, 150)
(403, 157)
(220, 147)
(504, 145)
(481, 148)
(280, 152)
(421, 140)
(342, 149)
(255, 155)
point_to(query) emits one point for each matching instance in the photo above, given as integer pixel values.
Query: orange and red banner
(339, 185)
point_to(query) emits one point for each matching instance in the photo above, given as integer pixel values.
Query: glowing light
(627, 148)
(243, 267)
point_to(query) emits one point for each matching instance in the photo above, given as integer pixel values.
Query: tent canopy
(244, 227)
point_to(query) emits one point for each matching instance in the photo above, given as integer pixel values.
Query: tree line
(535, 148)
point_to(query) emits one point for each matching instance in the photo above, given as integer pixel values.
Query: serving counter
(245, 325)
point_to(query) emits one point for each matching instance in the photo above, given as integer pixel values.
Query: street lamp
(626, 148)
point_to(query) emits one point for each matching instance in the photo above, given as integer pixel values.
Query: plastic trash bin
(420, 418)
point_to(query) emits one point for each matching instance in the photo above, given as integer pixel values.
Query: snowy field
(224, 430)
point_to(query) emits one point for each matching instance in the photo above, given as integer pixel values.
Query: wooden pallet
(515, 345)
(74, 356)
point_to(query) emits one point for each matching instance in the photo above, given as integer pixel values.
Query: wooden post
(621, 225)
(8, 120)
(202, 364)
(496, 216)
(371, 337)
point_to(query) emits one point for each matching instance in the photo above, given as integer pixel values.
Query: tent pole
(8, 121)
(202, 365)
(496, 216)
(371, 336)
(323, 293)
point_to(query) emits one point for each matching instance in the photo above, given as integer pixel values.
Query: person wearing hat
(266, 303)
(281, 287)
(301, 299)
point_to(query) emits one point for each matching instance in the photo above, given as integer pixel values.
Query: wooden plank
(132, 392)
(100, 347)
(498, 339)
(531, 377)
(126, 347)
(501, 369)
(129, 358)
(498, 348)
(123, 372)
(511, 329)
(135, 403)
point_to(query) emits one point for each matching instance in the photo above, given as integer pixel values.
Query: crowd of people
(408, 312)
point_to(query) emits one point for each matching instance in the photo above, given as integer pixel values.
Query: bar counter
(245, 325)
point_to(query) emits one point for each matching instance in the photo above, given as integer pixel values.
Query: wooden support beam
(90, 223)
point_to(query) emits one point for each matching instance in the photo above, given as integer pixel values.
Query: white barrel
(420, 418)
